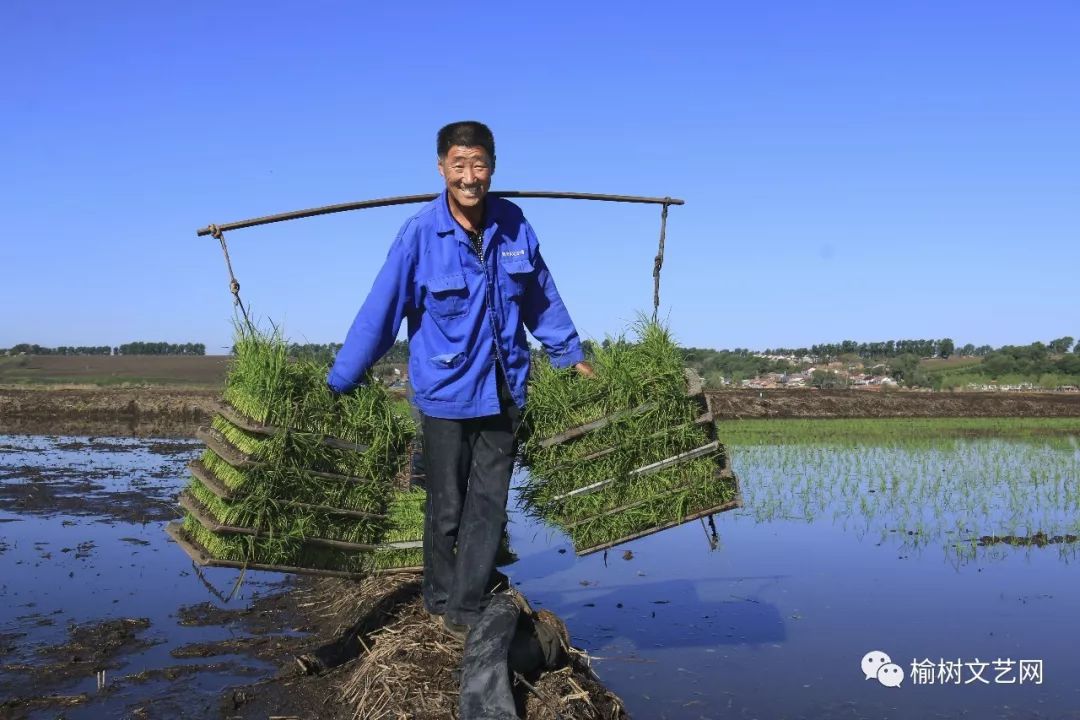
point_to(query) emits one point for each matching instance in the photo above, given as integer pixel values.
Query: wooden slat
(694, 388)
(202, 514)
(209, 480)
(243, 422)
(706, 419)
(655, 467)
(718, 477)
(730, 505)
(216, 486)
(242, 461)
(201, 557)
(225, 449)
(603, 422)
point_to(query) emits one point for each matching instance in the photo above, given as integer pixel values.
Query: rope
(659, 261)
(234, 286)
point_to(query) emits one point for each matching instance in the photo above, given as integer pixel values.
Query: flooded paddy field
(946, 542)
(950, 543)
(101, 617)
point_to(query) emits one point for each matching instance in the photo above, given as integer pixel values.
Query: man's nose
(470, 176)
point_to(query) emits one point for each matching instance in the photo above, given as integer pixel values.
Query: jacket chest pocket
(446, 295)
(517, 274)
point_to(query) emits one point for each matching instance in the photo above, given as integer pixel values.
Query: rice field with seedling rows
(966, 486)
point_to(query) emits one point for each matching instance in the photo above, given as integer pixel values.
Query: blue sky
(850, 170)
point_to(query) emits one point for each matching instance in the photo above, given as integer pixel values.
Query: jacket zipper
(499, 363)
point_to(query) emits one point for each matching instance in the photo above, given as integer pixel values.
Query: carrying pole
(217, 231)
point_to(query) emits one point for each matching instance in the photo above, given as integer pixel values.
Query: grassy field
(953, 363)
(109, 370)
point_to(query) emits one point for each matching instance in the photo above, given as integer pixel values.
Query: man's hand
(584, 369)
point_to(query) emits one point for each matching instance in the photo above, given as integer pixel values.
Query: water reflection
(958, 494)
(919, 545)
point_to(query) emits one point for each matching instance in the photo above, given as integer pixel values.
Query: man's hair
(467, 133)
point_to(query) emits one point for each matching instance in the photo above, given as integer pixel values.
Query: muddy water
(957, 553)
(90, 583)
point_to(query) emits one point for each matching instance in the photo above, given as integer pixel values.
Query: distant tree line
(1033, 359)
(30, 349)
(134, 348)
(1048, 363)
(736, 365)
(160, 348)
(944, 347)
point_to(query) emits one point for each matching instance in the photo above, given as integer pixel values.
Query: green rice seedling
(289, 449)
(274, 550)
(406, 516)
(628, 375)
(632, 491)
(268, 387)
(392, 559)
(659, 511)
(633, 452)
(362, 495)
(267, 514)
(304, 485)
(602, 485)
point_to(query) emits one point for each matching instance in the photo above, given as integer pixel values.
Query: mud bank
(743, 404)
(126, 412)
(176, 412)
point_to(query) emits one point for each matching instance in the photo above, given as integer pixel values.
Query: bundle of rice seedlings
(268, 387)
(297, 484)
(269, 514)
(626, 453)
(295, 478)
(406, 516)
(273, 550)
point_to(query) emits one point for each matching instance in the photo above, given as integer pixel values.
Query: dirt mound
(376, 653)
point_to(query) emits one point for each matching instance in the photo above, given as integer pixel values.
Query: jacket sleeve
(376, 325)
(545, 315)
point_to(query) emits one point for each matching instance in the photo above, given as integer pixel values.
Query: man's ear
(439, 164)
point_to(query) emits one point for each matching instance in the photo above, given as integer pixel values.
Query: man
(467, 275)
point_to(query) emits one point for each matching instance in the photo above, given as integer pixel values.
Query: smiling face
(467, 172)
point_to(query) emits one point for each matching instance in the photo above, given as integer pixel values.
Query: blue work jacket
(456, 307)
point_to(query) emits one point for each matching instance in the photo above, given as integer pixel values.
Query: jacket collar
(446, 224)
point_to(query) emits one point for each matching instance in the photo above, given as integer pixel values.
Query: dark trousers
(468, 465)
